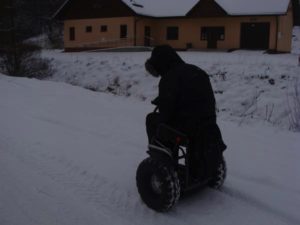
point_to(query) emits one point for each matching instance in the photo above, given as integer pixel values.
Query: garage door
(255, 35)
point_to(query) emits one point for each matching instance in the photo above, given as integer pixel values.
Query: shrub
(294, 108)
(54, 34)
(24, 60)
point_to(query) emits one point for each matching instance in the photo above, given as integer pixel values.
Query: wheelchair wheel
(158, 184)
(219, 175)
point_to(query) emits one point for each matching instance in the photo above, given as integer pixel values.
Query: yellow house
(184, 24)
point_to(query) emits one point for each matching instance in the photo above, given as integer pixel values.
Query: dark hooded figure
(185, 101)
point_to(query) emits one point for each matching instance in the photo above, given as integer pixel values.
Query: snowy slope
(68, 156)
(250, 87)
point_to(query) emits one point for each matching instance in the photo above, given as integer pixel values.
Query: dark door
(72, 33)
(147, 36)
(123, 31)
(255, 35)
(212, 35)
(212, 38)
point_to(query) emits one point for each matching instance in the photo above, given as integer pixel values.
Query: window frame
(103, 28)
(72, 33)
(123, 31)
(88, 29)
(218, 29)
(172, 33)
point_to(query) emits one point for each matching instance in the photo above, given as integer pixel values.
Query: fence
(116, 42)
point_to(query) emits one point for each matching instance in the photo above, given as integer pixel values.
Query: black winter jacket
(185, 94)
(186, 99)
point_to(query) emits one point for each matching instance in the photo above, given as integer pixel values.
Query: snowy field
(250, 87)
(69, 157)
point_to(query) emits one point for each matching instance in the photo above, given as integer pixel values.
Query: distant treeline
(296, 6)
(27, 17)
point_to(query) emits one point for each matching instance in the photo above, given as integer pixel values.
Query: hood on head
(163, 58)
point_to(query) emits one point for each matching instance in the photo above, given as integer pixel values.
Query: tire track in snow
(110, 198)
(30, 197)
(93, 189)
(71, 127)
(247, 199)
(264, 181)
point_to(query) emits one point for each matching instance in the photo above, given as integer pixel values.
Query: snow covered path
(69, 156)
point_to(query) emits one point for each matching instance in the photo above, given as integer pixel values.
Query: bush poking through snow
(269, 112)
(294, 108)
(24, 60)
(55, 34)
(272, 81)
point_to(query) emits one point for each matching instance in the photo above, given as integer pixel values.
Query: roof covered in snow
(161, 8)
(166, 8)
(174, 8)
(254, 7)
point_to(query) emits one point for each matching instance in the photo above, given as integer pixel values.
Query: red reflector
(178, 140)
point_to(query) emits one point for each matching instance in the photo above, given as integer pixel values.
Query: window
(72, 33)
(88, 29)
(123, 31)
(172, 33)
(213, 32)
(103, 28)
(204, 33)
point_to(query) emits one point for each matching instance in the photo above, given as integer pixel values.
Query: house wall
(190, 31)
(140, 30)
(285, 31)
(96, 38)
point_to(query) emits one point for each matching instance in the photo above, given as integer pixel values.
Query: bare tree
(18, 58)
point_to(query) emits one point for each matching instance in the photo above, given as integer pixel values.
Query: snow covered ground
(68, 155)
(296, 40)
